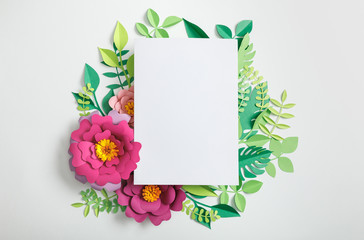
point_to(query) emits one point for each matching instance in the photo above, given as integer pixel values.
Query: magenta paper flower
(103, 150)
(123, 102)
(153, 201)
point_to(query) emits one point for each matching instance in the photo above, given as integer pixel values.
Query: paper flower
(103, 151)
(123, 102)
(153, 201)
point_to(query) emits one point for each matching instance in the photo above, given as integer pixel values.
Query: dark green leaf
(194, 31)
(91, 77)
(252, 161)
(113, 86)
(110, 75)
(224, 31)
(225, 211)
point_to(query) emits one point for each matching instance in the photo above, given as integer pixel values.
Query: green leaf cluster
(242, 28)
(98, 204)
(84, 101)
(158, 31)
(200, 214)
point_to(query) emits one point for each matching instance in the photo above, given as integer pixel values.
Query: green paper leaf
(224, 31)
(245, 53)
(252, 160)
(284, 96)
(276, 137)
(91, 77)
(104, 193)
(86, 211)
(282, 126)
(170, 21)
(289, 145)
(194, 31)
(289, 105)
(110, 75)
(153, 17)
(97, 210)
(105, 101)
(161, 33)
(257, 140)
(264, 129)
(90, 105)
(113, 86)
(240, 130)
(130, 66)
(120, 36)
(142, 29)
(225, 211)
(276, 147)
(77, 205)
(243, 27)
(287, 115)
(224, 198)
(271, 169)
(285, 164)
(252, 186)
(240, 202)
(275, 102)
(199, 190)
(109, 57)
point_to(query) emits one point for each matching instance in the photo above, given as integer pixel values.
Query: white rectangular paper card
(186, 111)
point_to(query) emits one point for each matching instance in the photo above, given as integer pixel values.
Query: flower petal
(157, 220)
(177, 204)
(123, 199)
(85, 126)
(150, 206)
(168, 196)
(87, 171)
(135, 204)
(103, 135)
(89, 136)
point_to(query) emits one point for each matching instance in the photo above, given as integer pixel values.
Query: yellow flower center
(130, 108)
(106, 150)
(151, 193)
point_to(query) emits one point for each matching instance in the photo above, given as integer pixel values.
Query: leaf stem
(122, 68)
(196, 202)
(117, 71)
(97, 105)
(278, 118)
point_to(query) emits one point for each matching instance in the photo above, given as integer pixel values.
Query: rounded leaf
(170, 21)
(285, 164)
(161, 33)
(289, 145)
(252, 186)
(271, 169)
(109, 57)
(224, 198)
(142, 29)
(243, 27)
(224, 31)
(257, 140)
(284, 96)
(153, 18)
(199, 190)
(91, 77)
(240, 202)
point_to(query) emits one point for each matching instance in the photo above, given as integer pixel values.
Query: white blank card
(186, 111)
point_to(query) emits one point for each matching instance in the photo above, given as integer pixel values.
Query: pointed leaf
(199, 190)
(86, 211)
(243, 27)
(284, 96)
(252, 186)
(110, 75)
(120, 36)
(170, 21)
(77, 205)
(91, 77)
(289, 105)
(285, 164)
(257, 140)
(271, 169)
(109, 57)
(224, 198)
(153, 17)
(130, 66)
(142, 29)
(289, 145)
(240, 202)
(224, 31)
(194, 31)
(225, 211)
(161, 33)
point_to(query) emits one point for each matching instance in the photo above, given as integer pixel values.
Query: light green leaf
(161, 33)
(243, 27)
(284, 96)
(104, 193)
(276, 137)
(97, 210)
(142, 29)
(77, 205)
(109, 57)
(286, 115)
(153, 17)
(275, 102)
(224, 198)
(130, 66)
(264, 129)
(170, 21)
(271, 169)
(282, 126)
(257, 140)
(289, 105)
(272, 110)
(120, 37)
(285, 164)
(224, 31)
(91, 77)
(289, 145)
(269, 120)
(240, 202)
(252, 186)
(276, 147)
(199, 190)
(86, 211)
(194, 31)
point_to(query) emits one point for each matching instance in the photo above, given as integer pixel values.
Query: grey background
(314, 49)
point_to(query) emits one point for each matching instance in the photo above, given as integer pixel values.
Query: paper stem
(278, 118)
(121, 85)
(196, 202)
(122, 68)
(97, 104)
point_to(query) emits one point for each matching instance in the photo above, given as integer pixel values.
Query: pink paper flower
(153, 201)
(123, 102)
(103, 150)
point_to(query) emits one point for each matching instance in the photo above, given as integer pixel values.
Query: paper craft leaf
(254, 159)
(289, 145)
(224, 31)
(194, 31)
(240, 202)
(91, 77)
(224, 198)
(142, 29)
(243, 27)
(90, 105)
(77, 205)
(252, 186)
(105, 101)
(113, 86)
(199, 190)
(170, 21)
(109, 57)
(251, 112)
(276, 147)
(153, 18)
(120, 36)
(161, 33)
(130, 66)
(257, 140)
(246, 53)
(271, 169)
(285, 164)
(225, 211)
